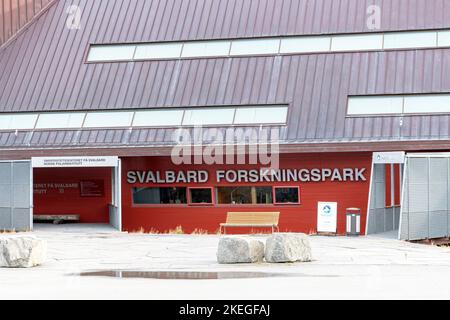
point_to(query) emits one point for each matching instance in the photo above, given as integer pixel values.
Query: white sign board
(71, 162)
(389, 157)
(326, 216)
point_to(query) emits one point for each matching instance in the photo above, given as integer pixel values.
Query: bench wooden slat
(251, 219)
(247, 225)
(56, 217)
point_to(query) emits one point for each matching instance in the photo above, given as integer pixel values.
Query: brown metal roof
(15, 14)
(43, 68)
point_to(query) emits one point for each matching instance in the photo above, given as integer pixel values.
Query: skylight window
(163, 117)
(357, 42)
(305, 44)
(208, 116)
(417, 39)
(260, 115)
(206, 49)
(99, 53)
(60, 120)
(444, 38)
(255, 46)
(269, 46)
(432, 103)
(158, 51)
(158, 118)
(17, 121)
(108, 119)
(375, 105)
(399, 104)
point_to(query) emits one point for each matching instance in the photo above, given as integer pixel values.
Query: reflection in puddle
(189, 275)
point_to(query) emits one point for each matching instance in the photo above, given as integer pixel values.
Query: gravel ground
(343, 268)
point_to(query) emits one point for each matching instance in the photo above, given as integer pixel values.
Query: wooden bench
(251, 219)
(56, 218)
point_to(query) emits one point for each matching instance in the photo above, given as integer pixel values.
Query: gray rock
(17, 251)
(288, 247)
(239, 250)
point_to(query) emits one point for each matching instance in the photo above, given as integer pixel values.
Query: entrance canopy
(16, 186)
(383, 211)
(419, 208)
(115, 212)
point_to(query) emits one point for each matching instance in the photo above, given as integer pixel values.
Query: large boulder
(18, 251)
(288, 247)
(239, 250)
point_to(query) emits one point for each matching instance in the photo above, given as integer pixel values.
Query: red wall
(298, 218)
(389, 186)
(52, 198)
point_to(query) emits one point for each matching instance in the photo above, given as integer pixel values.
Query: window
(158, 118)
(418, 39)
(269, 45)
(260, 115)
(399, 104)
(427, 103)
(169, 195)
(108, 119)
(208, 116)
(163, 117)
(158, 51)
(254, 46)
(206, 49)
(286, 195)
(17, 121)
(444, 38)
(305, 44)
(200, 196)
(375, 105)
(244, 195)
(60, 120)
(111, 53)
(357, 42)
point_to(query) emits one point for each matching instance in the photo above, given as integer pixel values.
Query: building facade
(352, 99)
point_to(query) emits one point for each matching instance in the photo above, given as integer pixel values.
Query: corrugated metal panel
(113, 137)
(43, 67)
(14, 14)
(425, 207)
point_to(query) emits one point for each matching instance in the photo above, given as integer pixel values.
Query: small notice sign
(88, 161)
(388, 157)
(92, 188)
(326, 217)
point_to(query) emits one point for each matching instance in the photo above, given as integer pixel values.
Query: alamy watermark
(373, 20)
(73, 21)
(226, 146)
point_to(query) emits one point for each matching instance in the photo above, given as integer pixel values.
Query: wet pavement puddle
(190, 275)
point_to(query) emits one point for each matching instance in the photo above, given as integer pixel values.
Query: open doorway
(78, 190)
(383, 216)
(82, 192)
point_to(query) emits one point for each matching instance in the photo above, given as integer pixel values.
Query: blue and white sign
(326, 216)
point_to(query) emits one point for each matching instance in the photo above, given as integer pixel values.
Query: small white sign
(389, 157)
(326, 216)
(71, 162)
